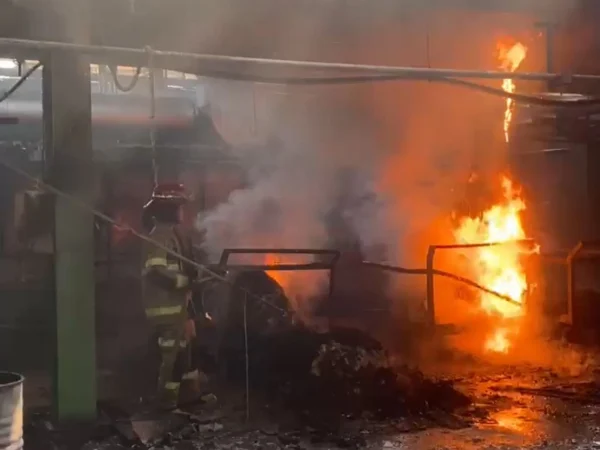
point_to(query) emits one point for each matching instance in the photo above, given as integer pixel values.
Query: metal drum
(11, 411)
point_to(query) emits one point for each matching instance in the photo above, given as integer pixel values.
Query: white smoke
(294, 183)
(295, 180)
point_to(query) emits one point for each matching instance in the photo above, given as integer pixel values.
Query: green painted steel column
(67, 135)
(69, 159)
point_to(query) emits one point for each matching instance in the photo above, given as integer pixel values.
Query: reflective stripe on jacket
(165, 285)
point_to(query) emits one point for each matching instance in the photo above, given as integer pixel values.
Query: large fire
(510, 60)
(498, 267)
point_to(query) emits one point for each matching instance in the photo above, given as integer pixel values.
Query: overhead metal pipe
(207, 64)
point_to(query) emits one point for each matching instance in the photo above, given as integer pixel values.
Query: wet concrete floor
(527, 408)
(515, 407)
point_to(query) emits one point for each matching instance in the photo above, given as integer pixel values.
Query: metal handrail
(577, 254)
(431, 271)
(334, 256)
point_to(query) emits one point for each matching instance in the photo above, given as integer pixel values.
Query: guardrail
(431, 252)
(332, 255)
(583, 250)
(328, 259)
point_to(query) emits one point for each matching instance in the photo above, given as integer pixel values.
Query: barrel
(11, 411)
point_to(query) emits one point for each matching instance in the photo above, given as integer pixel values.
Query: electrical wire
(246, 358)
(523, 98)
(5, 95)
(376, 73)
(132, 84)
(358, 79)
(152, 116)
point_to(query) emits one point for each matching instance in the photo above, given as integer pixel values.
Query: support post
(68, 151)
(549, 29)
(430, 303)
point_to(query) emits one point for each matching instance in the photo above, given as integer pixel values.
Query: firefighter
(167, 290)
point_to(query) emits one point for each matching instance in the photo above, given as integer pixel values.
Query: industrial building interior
(390, 206)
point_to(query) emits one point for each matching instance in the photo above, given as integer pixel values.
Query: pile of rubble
(336, 388)
(342, 373)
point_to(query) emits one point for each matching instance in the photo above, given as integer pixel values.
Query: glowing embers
(498, 267)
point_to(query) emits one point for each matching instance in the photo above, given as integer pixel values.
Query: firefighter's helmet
(163, 205)
(170, 191)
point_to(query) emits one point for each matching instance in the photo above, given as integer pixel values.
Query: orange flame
(279, 276)
(510, 60)
(498, 267)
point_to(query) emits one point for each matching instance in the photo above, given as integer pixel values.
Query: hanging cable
(246, 358)
(19, 83)
(524, 98)
(378, 73)
(332, 80)
(152, 87)
(358, 79)
(132, 84)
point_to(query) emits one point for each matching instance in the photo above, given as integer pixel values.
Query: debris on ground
(340, 374)
(340, 388)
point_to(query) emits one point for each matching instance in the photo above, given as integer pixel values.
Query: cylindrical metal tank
(114, 110)
(11, 411)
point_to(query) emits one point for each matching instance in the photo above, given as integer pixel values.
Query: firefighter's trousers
(178, 357)
(174, 362)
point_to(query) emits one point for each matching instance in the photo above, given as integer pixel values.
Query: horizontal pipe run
(278, 267)
(486, 244)
(205, 64)
(281, 251)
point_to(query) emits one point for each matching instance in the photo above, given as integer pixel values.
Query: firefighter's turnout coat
(166, 292)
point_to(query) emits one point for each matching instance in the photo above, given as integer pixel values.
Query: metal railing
(583, 250)
(327, 259)
(332, 256)
(431, 272)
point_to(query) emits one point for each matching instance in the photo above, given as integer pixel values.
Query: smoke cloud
(390, 159)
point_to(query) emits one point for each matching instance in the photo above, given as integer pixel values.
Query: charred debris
(307, 388)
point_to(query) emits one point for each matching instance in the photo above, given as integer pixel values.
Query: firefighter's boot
(191, 392)
(169, 396)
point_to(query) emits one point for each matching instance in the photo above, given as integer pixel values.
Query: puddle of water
(527, 422)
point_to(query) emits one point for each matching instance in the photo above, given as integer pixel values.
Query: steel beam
(68, 151)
